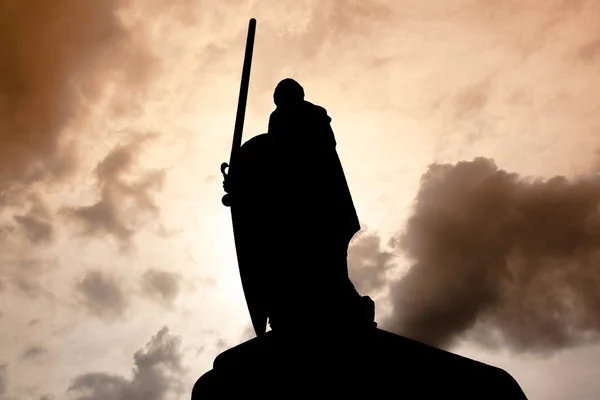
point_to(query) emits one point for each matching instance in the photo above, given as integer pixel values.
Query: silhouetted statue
(296, 218)
(293, 219)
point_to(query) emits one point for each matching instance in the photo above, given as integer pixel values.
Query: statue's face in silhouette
(288, 94)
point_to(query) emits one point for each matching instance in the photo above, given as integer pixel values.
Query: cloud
(58, 61)
(25, 232)
(369, 262)
(513, 258)
(124, 205)
(4, 394)
(36, 222)
(590, 51)
(24, 273)
(54, 59)
(157, 374)
(219, 343)
(102, 295)
(38, 231)
(163, 286)
(333, 21)
(247, 334)
(472, 99)
(33, 352)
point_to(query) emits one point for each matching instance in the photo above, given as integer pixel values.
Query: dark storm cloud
(517, 258)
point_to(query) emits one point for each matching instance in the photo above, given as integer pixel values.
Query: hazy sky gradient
(117, 266)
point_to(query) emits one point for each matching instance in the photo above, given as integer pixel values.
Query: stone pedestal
(368, 364)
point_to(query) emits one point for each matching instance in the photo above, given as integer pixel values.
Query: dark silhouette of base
(368, 364)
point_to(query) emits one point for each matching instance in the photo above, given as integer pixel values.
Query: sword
(241, 108)
(246, 267)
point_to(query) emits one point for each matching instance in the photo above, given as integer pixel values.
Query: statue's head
(288, 93)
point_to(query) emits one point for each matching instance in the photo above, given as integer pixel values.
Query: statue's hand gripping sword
(241, 108)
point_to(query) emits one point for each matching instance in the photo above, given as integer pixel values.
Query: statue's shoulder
(314, 107)
(245, 353)
(316, 111)
(257, 140)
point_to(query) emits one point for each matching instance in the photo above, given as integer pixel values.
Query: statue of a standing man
(308, 208)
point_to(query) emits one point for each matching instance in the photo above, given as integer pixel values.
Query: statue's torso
(294, 217)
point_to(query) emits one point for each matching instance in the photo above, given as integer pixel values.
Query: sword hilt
(226, 199)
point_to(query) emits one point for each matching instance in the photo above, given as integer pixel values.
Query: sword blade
(241, 108)
(255, 306)
(243, 97)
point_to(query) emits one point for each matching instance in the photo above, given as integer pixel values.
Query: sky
(469, 135)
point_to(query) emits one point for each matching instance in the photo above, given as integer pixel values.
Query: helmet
(288, 92)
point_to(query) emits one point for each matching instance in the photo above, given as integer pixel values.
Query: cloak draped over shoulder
(316, 176)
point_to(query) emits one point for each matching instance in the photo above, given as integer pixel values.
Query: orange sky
(115, 117)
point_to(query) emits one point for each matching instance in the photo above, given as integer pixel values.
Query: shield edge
(248, 274)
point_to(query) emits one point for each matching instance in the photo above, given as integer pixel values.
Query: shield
(253, 218)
